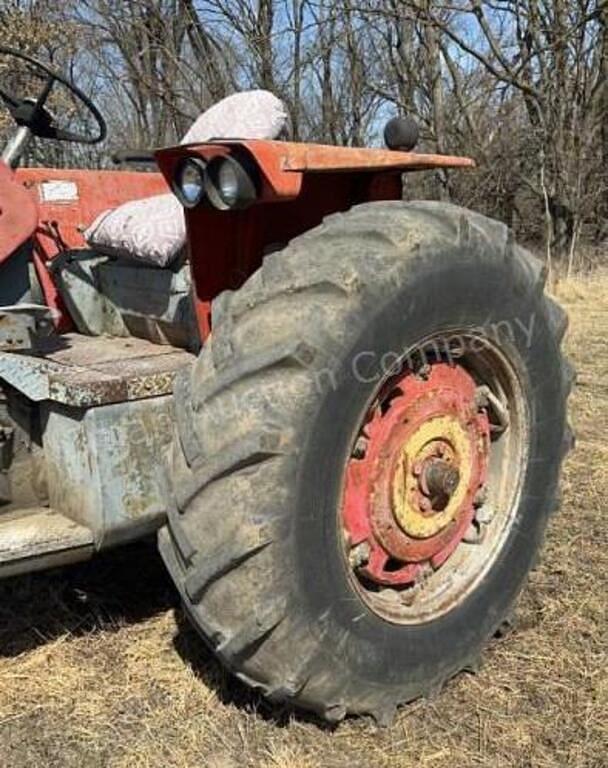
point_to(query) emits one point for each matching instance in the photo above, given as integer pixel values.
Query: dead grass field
(98, 669)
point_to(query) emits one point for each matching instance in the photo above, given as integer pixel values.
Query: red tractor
(344, 413)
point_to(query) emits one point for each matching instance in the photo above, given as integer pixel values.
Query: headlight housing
(231, 183)
(189, 181)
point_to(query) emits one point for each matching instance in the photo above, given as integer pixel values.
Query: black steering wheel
(31, 110)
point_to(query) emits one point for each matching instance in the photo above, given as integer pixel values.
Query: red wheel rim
(418, 467)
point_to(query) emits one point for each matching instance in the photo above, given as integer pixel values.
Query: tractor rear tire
(266, 422)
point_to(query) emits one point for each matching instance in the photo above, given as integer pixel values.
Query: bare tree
(545, 52)
(521, 85)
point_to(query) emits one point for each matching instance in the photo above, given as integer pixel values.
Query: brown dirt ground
(97, 667)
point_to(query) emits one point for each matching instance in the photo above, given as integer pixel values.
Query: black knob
(401, 133)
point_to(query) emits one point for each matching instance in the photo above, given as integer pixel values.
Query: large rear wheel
(369, 448)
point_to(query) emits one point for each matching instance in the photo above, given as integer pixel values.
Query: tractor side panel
(68, 202)
(102, 466)
(18, 214)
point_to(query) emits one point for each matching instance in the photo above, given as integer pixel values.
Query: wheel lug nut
(359, 555)
(474, 534)
(360, 448)
(485, 514)
(481, 496)
(481, 397)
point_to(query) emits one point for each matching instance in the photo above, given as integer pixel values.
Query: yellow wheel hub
(440, 438)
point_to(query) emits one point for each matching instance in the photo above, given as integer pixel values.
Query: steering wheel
(31, 111)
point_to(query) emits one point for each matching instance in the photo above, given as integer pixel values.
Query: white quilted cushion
(153, 229)
(247, 115)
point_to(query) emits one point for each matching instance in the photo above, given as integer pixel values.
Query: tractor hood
(282, 165)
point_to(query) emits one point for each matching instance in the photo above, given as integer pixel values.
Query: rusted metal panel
(104, 465)
(123, 298)
(153, 303)
(38, 538)
(76, 278)
(84, 371)
(107, 418)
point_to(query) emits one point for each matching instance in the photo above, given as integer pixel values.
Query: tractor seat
(152, 230)
(133, 279)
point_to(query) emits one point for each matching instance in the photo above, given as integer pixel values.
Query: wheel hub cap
(420, 507)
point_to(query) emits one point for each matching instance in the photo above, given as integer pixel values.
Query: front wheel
(368, 452)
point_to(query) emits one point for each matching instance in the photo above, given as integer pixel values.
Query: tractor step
(39, 538)
(84, 371)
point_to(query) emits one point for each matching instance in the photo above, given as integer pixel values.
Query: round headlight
(189, 182)
(231, 183)
(228, 183)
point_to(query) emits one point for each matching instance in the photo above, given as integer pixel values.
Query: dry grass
(98, 669)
